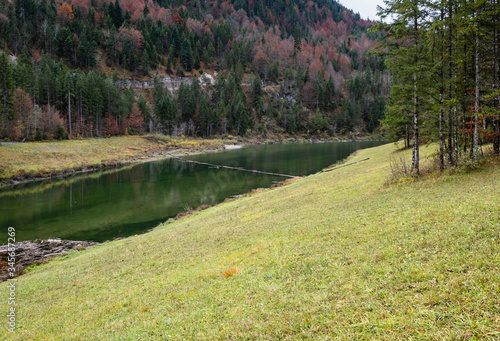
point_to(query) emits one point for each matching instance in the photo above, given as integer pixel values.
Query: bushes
(60, 133)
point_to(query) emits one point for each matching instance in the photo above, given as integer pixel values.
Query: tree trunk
(450, 94)
(415, 167)
(441, 95)
(407, 136)
(441, 132)
(496, 85)
(457, 136)
(69, 109)
(415, 164)
(476, 116)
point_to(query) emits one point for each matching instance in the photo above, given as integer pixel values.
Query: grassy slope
(337, 255)
(35, 159)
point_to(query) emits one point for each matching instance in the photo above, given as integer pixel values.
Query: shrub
(60, 133)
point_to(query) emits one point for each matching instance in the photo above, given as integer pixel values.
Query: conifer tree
(409, 57)
(186, 55)
(7, 111)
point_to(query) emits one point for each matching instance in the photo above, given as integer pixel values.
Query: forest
(285, 67)
(444, 59)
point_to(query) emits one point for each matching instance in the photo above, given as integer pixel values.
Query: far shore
(26, 162)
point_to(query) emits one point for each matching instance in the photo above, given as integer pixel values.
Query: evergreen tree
(409, 57)
(175, 39)
(297, 39)
(24, 71)
(257, 91)
(186, 55)
(7, 86)
(117, 14)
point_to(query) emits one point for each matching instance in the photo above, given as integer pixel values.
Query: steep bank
(336, 255)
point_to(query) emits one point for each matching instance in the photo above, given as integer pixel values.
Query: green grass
(334, 256)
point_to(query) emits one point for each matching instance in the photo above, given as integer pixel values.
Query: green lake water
(118, 203)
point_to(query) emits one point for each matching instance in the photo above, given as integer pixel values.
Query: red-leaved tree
(136, 120)
(110, 125)
(25, 116)
(50, 121)
(65, 13)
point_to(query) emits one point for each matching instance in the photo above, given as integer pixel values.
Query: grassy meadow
(20, 161)
(340, 255)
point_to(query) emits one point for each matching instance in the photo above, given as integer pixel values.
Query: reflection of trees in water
(137, 178)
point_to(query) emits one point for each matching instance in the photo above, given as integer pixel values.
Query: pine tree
(186, 55)
(175, 39)
(117, 14)
(409, 57)
(297, 39)
(7, 110)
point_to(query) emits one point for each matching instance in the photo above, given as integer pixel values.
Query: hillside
(276, 67)
(358, 260)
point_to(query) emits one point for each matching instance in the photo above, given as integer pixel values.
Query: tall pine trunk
(476, 110)
(441, 132)
(450, 94)
(441, 93)
(69, 109)
(415, 166)
(415, 163)
(496, 86)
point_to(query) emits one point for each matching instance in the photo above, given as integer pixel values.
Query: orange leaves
(110, 125)
(345, 64)
(135, 37)
(230, 272)
(196, 26)
(83, 5)
(314, 68)
(177, 19)
(50, 120)
(136, 121)
(65, 13)
(165, 16)
(260, 60)
(227, 7)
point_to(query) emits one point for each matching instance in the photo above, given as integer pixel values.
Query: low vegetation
(338, 255)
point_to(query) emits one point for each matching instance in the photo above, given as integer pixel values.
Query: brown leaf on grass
(230, 272)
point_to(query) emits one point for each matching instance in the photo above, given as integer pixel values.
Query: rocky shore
(36, 252)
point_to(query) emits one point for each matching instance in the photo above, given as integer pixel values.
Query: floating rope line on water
(349, 164)
(233, 168)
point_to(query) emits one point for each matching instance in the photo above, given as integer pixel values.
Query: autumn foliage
(65, 13)
(136, 121)
(305, 53)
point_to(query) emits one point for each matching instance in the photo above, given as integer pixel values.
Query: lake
(118, 203)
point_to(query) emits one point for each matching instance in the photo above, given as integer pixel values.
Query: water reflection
(105, 205)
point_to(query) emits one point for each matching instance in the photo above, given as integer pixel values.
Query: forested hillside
(286, 67)
(444, 56)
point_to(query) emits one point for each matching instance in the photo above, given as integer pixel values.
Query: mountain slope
(313, 55)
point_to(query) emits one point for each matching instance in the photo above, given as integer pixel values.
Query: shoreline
(96, 168)
(36, 252)
(155, 155)
(157, 152)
